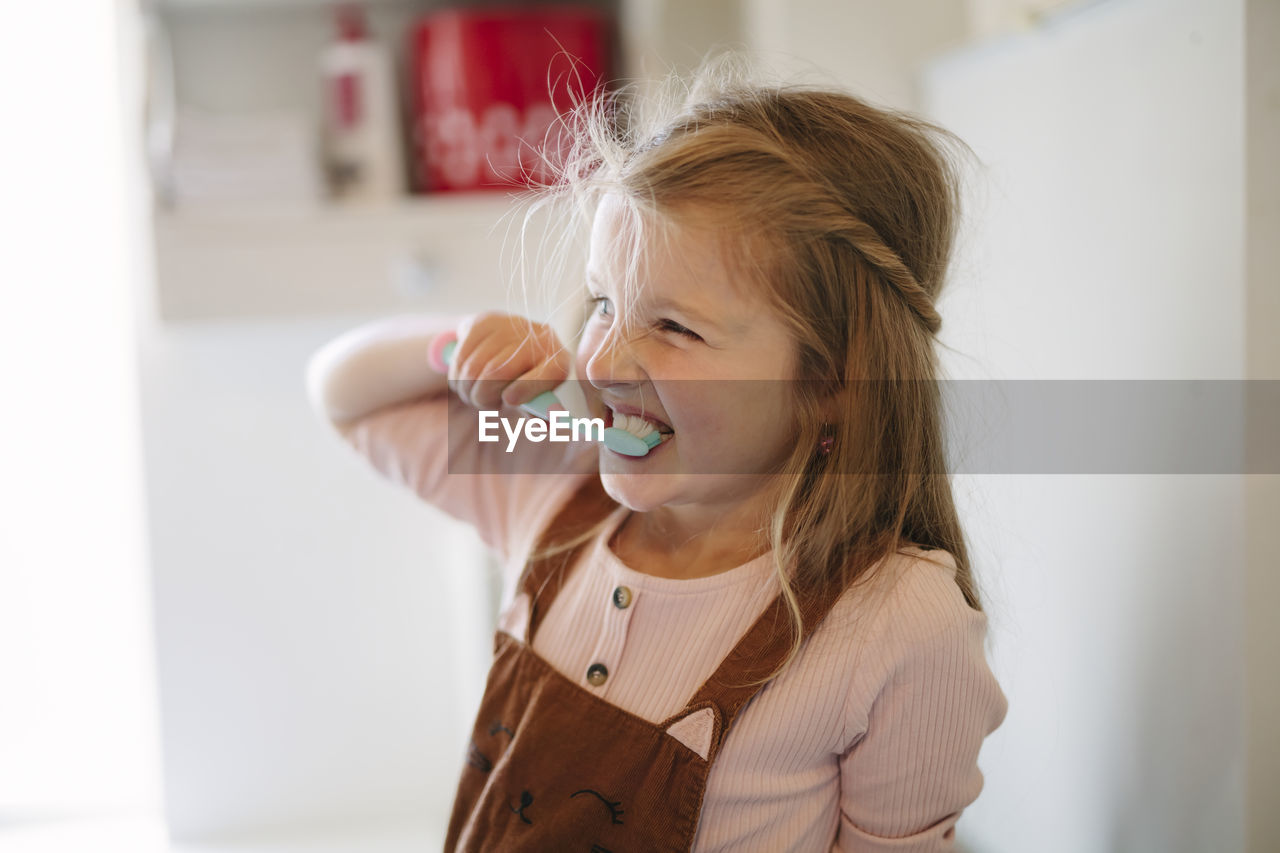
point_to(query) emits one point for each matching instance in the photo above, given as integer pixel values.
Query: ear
(694, 731)
(827, 392)
(832, 405)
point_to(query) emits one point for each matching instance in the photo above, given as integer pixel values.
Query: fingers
(503, 358)
(545, 376)
(477, 346)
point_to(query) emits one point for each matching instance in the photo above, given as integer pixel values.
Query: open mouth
(638, 426)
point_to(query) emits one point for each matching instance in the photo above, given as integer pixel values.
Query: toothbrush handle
(441, 356)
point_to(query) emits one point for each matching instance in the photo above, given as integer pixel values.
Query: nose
(612, 361)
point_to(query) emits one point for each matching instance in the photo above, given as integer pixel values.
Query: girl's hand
(504, 359)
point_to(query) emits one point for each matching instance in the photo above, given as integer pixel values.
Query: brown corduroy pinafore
(553, 767)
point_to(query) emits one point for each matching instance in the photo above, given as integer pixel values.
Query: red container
(487, 85)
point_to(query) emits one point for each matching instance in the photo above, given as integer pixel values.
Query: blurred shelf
(437, 253)
(446, 253)
(420, 211)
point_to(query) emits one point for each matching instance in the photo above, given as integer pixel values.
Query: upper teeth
(633, 424)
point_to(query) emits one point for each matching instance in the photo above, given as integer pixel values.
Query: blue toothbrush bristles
(620, 441)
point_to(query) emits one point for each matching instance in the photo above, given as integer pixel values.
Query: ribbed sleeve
(374, 386)
(414, 445)
(913, 770)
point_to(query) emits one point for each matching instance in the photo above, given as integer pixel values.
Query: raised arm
(375, 386)
(375, 365)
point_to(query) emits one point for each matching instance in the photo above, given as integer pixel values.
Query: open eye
(672, 326)
(602, 305)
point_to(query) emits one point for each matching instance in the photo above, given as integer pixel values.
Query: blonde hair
(842, 215)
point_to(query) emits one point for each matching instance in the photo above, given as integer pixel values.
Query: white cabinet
(442, 254)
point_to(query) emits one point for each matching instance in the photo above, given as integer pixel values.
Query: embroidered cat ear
(694, 731)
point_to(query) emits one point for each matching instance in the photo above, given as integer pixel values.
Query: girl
(764, 634)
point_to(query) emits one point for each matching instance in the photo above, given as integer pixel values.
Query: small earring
(825, 444)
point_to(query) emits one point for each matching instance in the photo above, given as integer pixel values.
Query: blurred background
(220, 631)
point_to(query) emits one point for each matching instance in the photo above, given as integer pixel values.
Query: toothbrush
(615, 438)
(628, 443)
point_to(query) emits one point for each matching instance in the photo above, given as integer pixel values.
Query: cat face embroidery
(604, 808)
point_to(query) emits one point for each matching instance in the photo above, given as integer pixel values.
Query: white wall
(873, 48)
(77, 703)
(1106, 242)
(316, 652)
(1262, 493)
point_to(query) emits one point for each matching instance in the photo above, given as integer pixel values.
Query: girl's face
(699, 356)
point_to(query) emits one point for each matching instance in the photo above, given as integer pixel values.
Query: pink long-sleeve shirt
(867, 742)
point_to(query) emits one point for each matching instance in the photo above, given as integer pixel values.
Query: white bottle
(363, 149)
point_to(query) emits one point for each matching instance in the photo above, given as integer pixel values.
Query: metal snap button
(597, 673)
(622, 598)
